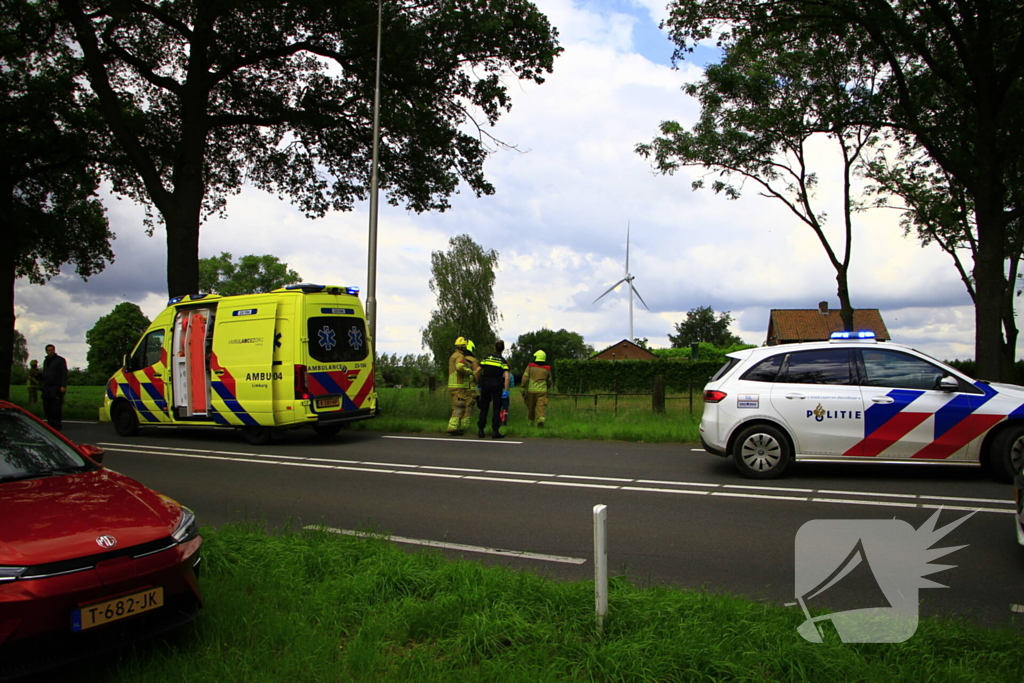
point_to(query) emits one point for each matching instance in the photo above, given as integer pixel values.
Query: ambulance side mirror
(949, 383)
(125, 364)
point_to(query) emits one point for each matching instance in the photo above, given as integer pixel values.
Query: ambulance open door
(192, 329)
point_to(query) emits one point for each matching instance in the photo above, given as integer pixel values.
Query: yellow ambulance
(289, 358)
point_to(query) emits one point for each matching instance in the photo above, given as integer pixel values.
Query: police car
(853, 398)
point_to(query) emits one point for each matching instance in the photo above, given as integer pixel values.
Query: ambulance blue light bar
(866, 335)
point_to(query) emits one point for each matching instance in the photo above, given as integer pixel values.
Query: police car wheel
(126, 422)
(1007, 457)
(328, 430)
(257, 435)
(761, 452)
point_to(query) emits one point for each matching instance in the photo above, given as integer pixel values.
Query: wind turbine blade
(640, 297)
(627, 248)
(610, 289)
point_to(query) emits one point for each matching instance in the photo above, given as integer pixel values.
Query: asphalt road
(676, 514)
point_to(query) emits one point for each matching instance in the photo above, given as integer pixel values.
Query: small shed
(793, 325)
(624, 350)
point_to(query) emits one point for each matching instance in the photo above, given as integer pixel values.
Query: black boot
(497, 435)
(480, 432)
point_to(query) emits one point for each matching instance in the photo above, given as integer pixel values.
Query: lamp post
(371, 267)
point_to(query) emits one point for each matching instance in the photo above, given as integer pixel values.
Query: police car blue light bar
(860, 334)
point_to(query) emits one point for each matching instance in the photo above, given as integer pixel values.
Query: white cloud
(559, 220)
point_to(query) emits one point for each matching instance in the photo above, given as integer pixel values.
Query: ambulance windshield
(337, 339)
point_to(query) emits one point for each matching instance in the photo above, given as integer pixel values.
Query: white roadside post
(600, 565)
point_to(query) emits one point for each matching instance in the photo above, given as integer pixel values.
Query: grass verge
(419, 411)
(309, 606)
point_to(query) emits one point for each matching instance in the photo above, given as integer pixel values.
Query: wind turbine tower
(628, 279)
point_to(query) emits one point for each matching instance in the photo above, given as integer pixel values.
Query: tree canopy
(463, 280)
(762, 108)
(250, 275)
(950, 76)
(202, 97)
(49, 214)
(702, 325)
(112, 337)
(558, 345)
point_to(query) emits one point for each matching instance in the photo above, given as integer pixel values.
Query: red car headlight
(11, 573)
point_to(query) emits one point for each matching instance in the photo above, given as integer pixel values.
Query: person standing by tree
(460, 377)
(55, 385)
(34, 382)
(536, 380)
(492, 376)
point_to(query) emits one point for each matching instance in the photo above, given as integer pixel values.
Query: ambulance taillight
(301, 389)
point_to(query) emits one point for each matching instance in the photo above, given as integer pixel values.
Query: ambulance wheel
(126, 422)
(761, 452)
(328, 430)
(1007, 457)
(257, 435)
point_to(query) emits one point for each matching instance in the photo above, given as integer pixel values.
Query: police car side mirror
(949, 383)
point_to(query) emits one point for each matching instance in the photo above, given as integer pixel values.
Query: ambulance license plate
(119, 608)
(328, 403)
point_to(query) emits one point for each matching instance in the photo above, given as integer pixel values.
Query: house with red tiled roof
(792, 325)
(624, 350)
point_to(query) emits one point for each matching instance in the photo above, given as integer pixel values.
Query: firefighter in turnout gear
(536, 381)
(461, 368)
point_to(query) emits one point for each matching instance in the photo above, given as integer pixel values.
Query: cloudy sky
(558, 221)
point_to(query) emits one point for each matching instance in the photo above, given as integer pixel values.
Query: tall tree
(702, 325)
(762, 108)
(49, 214)
(203, 96)
(251, 275)
(558, 345)
(952, 77)
(112, 337)
(463, 280)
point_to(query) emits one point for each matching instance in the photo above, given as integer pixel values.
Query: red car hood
(57, 518)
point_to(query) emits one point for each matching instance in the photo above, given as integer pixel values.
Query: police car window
(765, 371)
(884, 368)
(337, 339)
(148, 351)
(820, 366)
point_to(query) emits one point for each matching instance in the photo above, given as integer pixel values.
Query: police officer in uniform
(492, 376)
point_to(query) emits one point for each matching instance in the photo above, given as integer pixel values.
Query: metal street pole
(371, 267)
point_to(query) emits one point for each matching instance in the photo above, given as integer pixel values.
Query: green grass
(80, 403)
(310, 606)
(419, 411)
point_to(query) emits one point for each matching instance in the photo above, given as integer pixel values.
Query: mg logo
(106, 541)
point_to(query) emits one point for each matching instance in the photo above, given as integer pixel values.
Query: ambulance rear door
(241, 363)
(340, 363)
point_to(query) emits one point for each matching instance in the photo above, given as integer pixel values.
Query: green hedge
(632, 376)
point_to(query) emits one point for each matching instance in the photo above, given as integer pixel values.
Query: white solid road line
(580, 481)
(522, 554)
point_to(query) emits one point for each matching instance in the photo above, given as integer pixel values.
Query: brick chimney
(823, 307)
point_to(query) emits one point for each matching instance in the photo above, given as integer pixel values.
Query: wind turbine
(632, 290)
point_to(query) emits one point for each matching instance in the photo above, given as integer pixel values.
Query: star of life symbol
(327, 340)
(355, 338)
(881, 562)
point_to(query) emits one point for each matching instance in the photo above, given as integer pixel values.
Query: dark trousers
(53, 407)
(490, 399)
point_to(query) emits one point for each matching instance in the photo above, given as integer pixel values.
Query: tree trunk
(845, 307)
(8, 260)
(991, 290)
(182, 252)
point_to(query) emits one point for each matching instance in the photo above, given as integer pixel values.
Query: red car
(89, 559)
